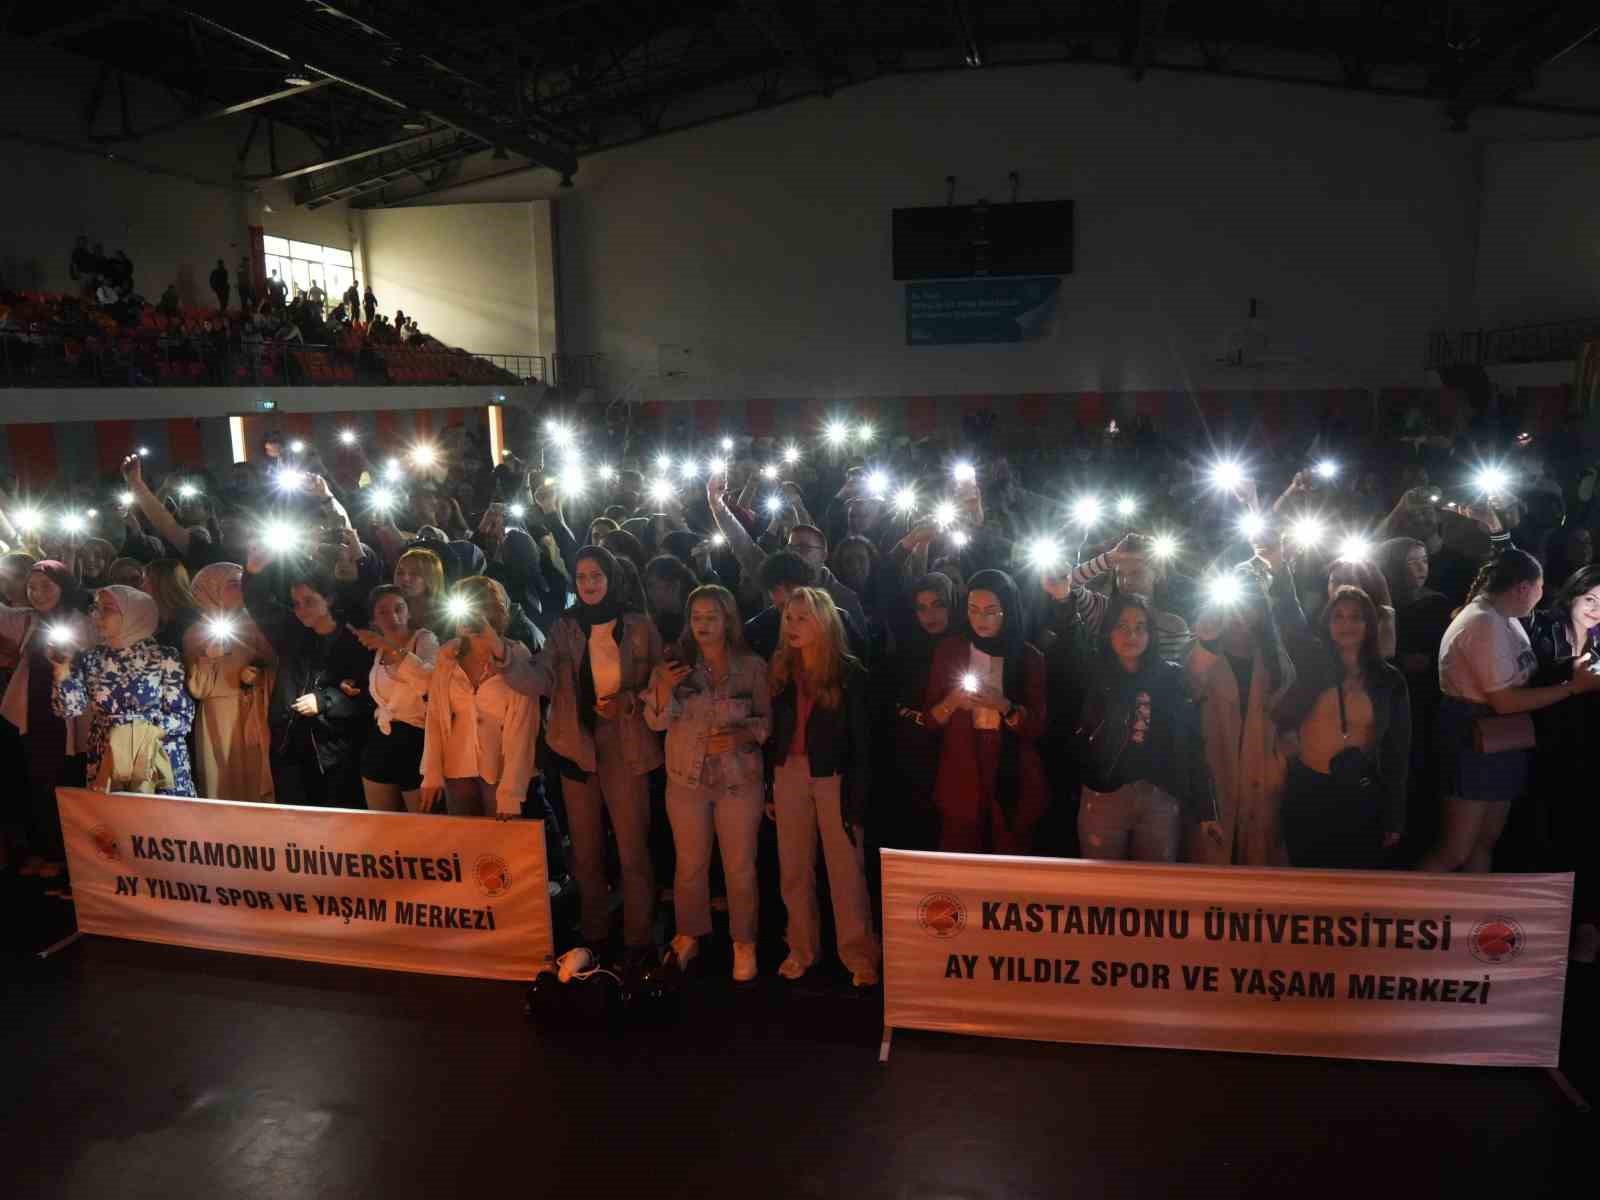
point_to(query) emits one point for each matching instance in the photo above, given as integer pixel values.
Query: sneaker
(1586, 946)
(867, 977)
(744, 962)
(793, 968)
(684, 948)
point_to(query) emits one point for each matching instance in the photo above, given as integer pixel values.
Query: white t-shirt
(477, 718)
(991, 676)
(1483, 652)
(605, 660)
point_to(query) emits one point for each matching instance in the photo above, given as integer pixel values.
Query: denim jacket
(692, 713)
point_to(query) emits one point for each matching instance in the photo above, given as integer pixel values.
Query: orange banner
(442, 895)
(1404, 966)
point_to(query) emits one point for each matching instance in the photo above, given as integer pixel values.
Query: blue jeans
(1138, 821)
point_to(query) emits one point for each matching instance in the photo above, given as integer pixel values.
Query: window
(301, 264)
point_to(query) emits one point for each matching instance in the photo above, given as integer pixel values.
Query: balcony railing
(45, 360)
(1558, 341)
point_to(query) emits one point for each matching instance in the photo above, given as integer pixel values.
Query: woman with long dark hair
(667, 584)
(1347, 721)
(986, 692)
(1139, 745)
(912, 748)
(1486, 665)
(1358, 573)
(710, 697)
(402, 670)
(821, 776)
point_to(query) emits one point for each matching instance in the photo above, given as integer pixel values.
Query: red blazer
(970, 818)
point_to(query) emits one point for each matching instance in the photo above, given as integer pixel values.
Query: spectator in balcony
(352, 299)
(369, 303)
(169, 306)
(245, 281)
(317, 299)
(277, 292)
(219, 285)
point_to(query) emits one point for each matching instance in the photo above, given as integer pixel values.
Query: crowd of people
(1360, 653)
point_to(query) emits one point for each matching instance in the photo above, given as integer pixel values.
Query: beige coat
(1247, 764)
(231, 742)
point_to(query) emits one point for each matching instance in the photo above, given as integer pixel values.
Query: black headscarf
(588, 616)
(1008, 646)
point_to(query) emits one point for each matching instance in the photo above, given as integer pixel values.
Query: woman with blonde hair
(419, 574)
(228, 659)
(479, 729)
(166, 581)
(821, 759)
(709, 695)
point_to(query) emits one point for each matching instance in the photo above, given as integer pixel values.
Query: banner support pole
(883, 1046)
(1559, 1078)
(61, 945)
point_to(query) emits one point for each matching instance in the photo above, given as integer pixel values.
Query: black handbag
(1351, 767)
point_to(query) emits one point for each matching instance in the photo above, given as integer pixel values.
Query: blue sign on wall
(955, 311)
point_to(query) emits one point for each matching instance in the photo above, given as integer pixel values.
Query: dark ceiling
(396, 94)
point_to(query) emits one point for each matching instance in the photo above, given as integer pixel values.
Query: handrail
(30, 359)
(1554, 341)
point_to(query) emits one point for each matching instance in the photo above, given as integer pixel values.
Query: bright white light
(125, 499)
(560, 435)
(1044, 554)
(457, 608)
(187, 491)
(606, 472)
(1355, 548)
(92, 513)
(774, 504)
(572, 481)
(877, 484)
(143, 451)
(1224, 590)
(791, 454)
(964, 472)
(687, 470)
(517, 511)
(959, 539)
(1252, 525)
(770, 471)
(27, 519)
(288, 479)
(382, 499)
(222, 629)
(1492, 480)
(1227, 475)
(348, 437)
(727, 445)
(1327, 469)
(1433, 498)
(1127, 506)
(1308, 532)
(969, 682)
(394, 469)
(719, 540)
(297, 447)
(1163, 546)
(717, 466)
(280, 536)
(59, 635)
(836, 433)
(424, 454)
(663, 462)
(660, 490)
(944, 513)
(73, 523)
(1086, 510)
(905, 500)
(865, 432)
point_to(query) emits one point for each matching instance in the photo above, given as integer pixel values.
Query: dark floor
(133, 1070)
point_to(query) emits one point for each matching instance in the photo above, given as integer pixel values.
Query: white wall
(1539, 245)
(469, 273)
(762, 244)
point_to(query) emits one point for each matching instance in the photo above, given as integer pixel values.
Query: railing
(46, 360)
(1558, 341)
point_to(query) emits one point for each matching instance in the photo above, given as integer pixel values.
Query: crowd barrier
(1465, 969)
(441, 895)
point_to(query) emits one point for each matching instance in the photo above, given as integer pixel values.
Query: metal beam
(227, 110)
(383, 172)
(353, 156)
(1519, 52)
(267, 26)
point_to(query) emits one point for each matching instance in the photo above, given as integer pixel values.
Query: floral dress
(117, 687)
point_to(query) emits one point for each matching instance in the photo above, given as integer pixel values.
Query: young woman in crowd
(1238, 672)
(821, 778)
(986, 693)
(597, 662)
(667, 584)
(1139, 746)
(912, 748)
(229, 672)
(53, 748)
(318, 710)
(1347, 724)
(1486, 663)
(126, 677)
(419, 574)
(710, 696)
(1369, 578)
(480, 732)
(166, 581)
(402, 668)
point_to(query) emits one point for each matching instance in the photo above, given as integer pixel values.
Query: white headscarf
(140, 616)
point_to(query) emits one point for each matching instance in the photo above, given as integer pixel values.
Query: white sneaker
(793, 968)
(1586, 945)
(744, 962)
(865, 978)
(684, 948)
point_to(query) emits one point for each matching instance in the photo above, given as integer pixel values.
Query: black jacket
(838, 740)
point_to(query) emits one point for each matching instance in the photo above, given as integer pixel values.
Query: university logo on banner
(1383, 965)
(444, 895)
